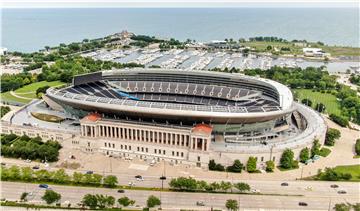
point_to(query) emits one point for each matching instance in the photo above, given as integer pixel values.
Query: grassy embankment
(28, 91)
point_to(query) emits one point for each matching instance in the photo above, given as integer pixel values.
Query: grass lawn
(329, 100)
(6, 96)
(261, 46)
(297, 50)
(324, 152)
(28, 91)
(354, 170)
(47, 117)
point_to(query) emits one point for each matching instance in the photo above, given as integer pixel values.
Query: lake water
(31, 29)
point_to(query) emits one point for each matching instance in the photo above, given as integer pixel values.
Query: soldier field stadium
(183, 117)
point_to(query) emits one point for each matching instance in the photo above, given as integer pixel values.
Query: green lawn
(6, 96)
(28, 91)
(297, 50)
(329, 100)
(354, 170)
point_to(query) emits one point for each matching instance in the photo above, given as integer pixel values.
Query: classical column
(203, 144)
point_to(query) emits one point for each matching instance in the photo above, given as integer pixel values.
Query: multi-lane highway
(320, 198)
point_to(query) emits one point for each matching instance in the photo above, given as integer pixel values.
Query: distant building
(315, 52)
(3, 51)
(221, 44)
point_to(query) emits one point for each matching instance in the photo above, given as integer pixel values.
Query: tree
(237, 167)
(125, 201)
(287, 159)
(315, 149)
(153, 201)
(26, 174)
(104, 201)
(357, 146)
(77, 177)
(23, 196)
(90, 201)
(306, 102)
(231, 204)
(42, 90)
(320, 107)
(225, 186)
(331, 135)
(270, 166)
(304, 155)
(60, 176)
(342, 207)
(241, 186)
(51, 196)
(110, 181)
(251, 164)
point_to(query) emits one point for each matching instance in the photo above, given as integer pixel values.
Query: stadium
(185, 116)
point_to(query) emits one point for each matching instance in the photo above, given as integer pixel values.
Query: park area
(331, 104)
(26, 93)
(354, 170)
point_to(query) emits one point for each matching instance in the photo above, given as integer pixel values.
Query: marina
(204, 60)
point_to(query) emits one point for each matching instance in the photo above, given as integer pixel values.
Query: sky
(174, 3)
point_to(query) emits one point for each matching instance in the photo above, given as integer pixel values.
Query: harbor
(204, 60)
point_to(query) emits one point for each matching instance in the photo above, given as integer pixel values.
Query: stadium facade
(185, 116)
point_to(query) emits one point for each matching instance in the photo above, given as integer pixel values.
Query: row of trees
(191, 184)
(237, 166)
(29, 148)
(14, 173)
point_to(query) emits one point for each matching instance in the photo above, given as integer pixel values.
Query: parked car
(316, 157)
(121, 191)
(200, 203)
(44, 186)
(36, 167)
(284, 184)
(89, 172)
(341, 192)
(139, 178)
(303, 204)
(334, 186)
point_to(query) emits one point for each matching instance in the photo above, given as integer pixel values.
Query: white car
(255, 191)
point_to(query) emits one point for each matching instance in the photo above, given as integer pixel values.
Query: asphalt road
(316, 200)
(296, 187)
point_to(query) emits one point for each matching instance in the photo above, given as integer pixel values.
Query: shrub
(213, 166)
(306, 102)
(287, 158)
(153, 201)
(270, 166)
(342, 121)
(241, 186)
(357, 147)
(331, 135)
(304, 155)
(237, 167)
(51, 196)
(251, 164)
(315, 149)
